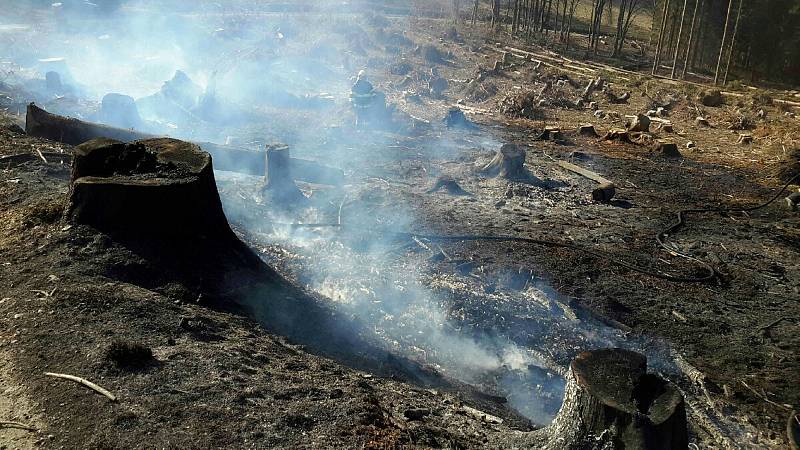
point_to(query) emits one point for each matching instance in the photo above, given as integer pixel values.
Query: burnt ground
(218, 379)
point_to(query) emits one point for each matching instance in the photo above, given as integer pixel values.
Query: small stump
(551, 134)
(587, 130)
(641, 123)
(448, 184)
(278, 182)
(119, 110)
(455, 118)
(507, 163)
(604, 192)
(668, 149)
(745, 139)
(161, 186)
(612, 402)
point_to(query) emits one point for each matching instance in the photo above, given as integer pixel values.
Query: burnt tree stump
(278, 181)
(508, 162)
(158, 198)
(160, 186)
(448, 184)
(612, 402)
(587, 130)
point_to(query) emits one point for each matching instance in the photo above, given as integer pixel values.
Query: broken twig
(84, 382)
(18, 425)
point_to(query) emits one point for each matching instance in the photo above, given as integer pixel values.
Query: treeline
(729, 39)
(560, 18)
(726, 40)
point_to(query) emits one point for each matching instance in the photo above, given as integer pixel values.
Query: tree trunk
(475, 11)
(619, 38)
(733, 41)
(657, 57)
(699, 54)
(495, 14)
(678, 44)
(691, 37)
(722, 44)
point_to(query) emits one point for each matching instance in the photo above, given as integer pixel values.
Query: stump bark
(508, 162)
(155, 186)
(612, 402)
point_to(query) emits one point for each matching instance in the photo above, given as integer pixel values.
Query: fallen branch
(18, 425)
(764, 396)
(84, 382)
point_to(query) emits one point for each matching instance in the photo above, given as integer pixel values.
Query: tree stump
(587, 130)
(551, 134)
(450, 185)
(612, 402)
(641, 123)
(604, 192)
(668, 149)
(702, 121)
(278, 181)
(508, 162)
(455, 118)
(119, 110)
(155, 186)
(52, 82)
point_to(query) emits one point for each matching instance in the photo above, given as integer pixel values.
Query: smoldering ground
(272, 79)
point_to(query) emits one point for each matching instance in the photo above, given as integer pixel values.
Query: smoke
(254, 74)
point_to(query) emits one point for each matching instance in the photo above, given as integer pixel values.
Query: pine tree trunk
(691, 37)
(678, 44)
(733, 41)
(722, 44)
(657, 57)
(515, 21)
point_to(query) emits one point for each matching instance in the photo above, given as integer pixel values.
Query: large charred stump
(612, 402)
(508, 162)
(158, 198)
(159, 186)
